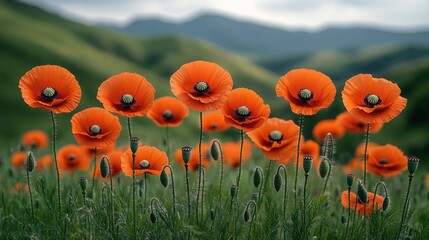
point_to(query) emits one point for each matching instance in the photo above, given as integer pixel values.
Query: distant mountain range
(254, 39)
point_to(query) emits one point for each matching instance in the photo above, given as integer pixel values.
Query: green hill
(31, 37)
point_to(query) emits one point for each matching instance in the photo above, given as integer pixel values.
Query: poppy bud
(152, 217)
(233, 191)
(323, 168)
(308, 160)
(257, 178)
(214, 151)
(186, 154)
(246, 215)
(386, 203)
(30, 161)
(164, 178)
(343, 219)
(350, 178)
(83, 183)
(104, 167)
(362, 192)
(134, 144)
(278, 182)
(413, 163)
(212, 214)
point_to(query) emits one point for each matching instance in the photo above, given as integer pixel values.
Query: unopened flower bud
(246, 215)
(214, 151)
(323, 168)
(30, 161)
(362, 192)
(233, 190)
(278, 182)
(104, 167)
(257, 178)
(386, 203)
(164, 178)
(152, 217)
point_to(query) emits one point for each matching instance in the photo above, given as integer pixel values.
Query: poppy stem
(239, 166)
(348, 216)
(187, 192)
(54, 150)
(29, 190)
(93, 173)
(167, 142)
(368, 132)
(301, 123)
(200, 164)
(327, 177)
(172, 186)
(202, 193)
(405, 209)
(305, 207)
(129, 128)
(145, 192)
(134, 195)
(111, 197)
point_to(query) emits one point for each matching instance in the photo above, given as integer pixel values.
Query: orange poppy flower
(72, 157)
(126, 94)
(306, 90)
(310, 148)
(361, 207)
(168, 111)
(231, 152)
(115, 163)
(386, 161)
(100, 150)
(372, 100)
(19, 159)
(353, 124)
(44, 162)
(214, 122)
(277, 138)
(148, 160)
(322, 128)
(361, 148)
(194, 160)
(50, 87)
(95, 127)
(35, 139)
(245, 110)
(354, 166)
(201, 85)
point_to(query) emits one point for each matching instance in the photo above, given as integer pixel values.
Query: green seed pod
(214, 151)
(362, 192)
(323, 168)
(152, 217)
(212, 214)
(413, 163)
(104, 167)
(83, 183)
(308, 161)
(386, 203)
(257, 178)
(134, 144)
(30, 161)
(350, 179)
(164, 178)
(246, 215)
(233, 191)
(343, 219)
(186, 154)
(278, 181)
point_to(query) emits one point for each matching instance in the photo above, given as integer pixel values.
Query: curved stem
(329, 174)
(375, 193)
(29, 190)
(93, 173)
(134, 196)
(261, 184)
(172, 186)
(253, 216)
(405, 209)
(368, 132)
(129, 128)
(301, 123)
(285, 193)
(54, 150)
(221, 168)
(200, 164)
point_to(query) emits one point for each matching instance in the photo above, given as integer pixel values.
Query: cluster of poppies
(207, 88)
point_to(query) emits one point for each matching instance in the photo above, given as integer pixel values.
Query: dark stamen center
(72, 157)
(383, 161)
(305, 95)
(201, 88)
(276, 136)
(49, 94)
(167, 115)
(127, 100)
(372, 100)
(95, 130)
(242, 113)
(144, 164)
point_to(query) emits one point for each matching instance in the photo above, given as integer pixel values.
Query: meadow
(224, 148)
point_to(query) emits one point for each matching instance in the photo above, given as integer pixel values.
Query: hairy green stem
(329, 174)
(29, 190)
(54, 150)
(348, 216)
(368, 132)
(305, 207)
(187, 192)
(200, 164)
(93, 173)
(129, 128)
(134, 196)
(239, 166)
(405, 208)
(172, 186)
(301, 123)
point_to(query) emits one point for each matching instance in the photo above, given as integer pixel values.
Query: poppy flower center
(213, 126)
(72, 157)
(95, 129)
(144, 164)
(49, 93)
(127, 100)
(372, 100)
(360, 125)
(305, 95)
(383, 161)
(242, 113)
(276, 136)
(167, 115)
(201, 87)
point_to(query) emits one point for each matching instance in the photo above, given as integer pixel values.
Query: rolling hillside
(31, 37)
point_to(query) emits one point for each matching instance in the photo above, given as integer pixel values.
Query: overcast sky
(309, 14)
